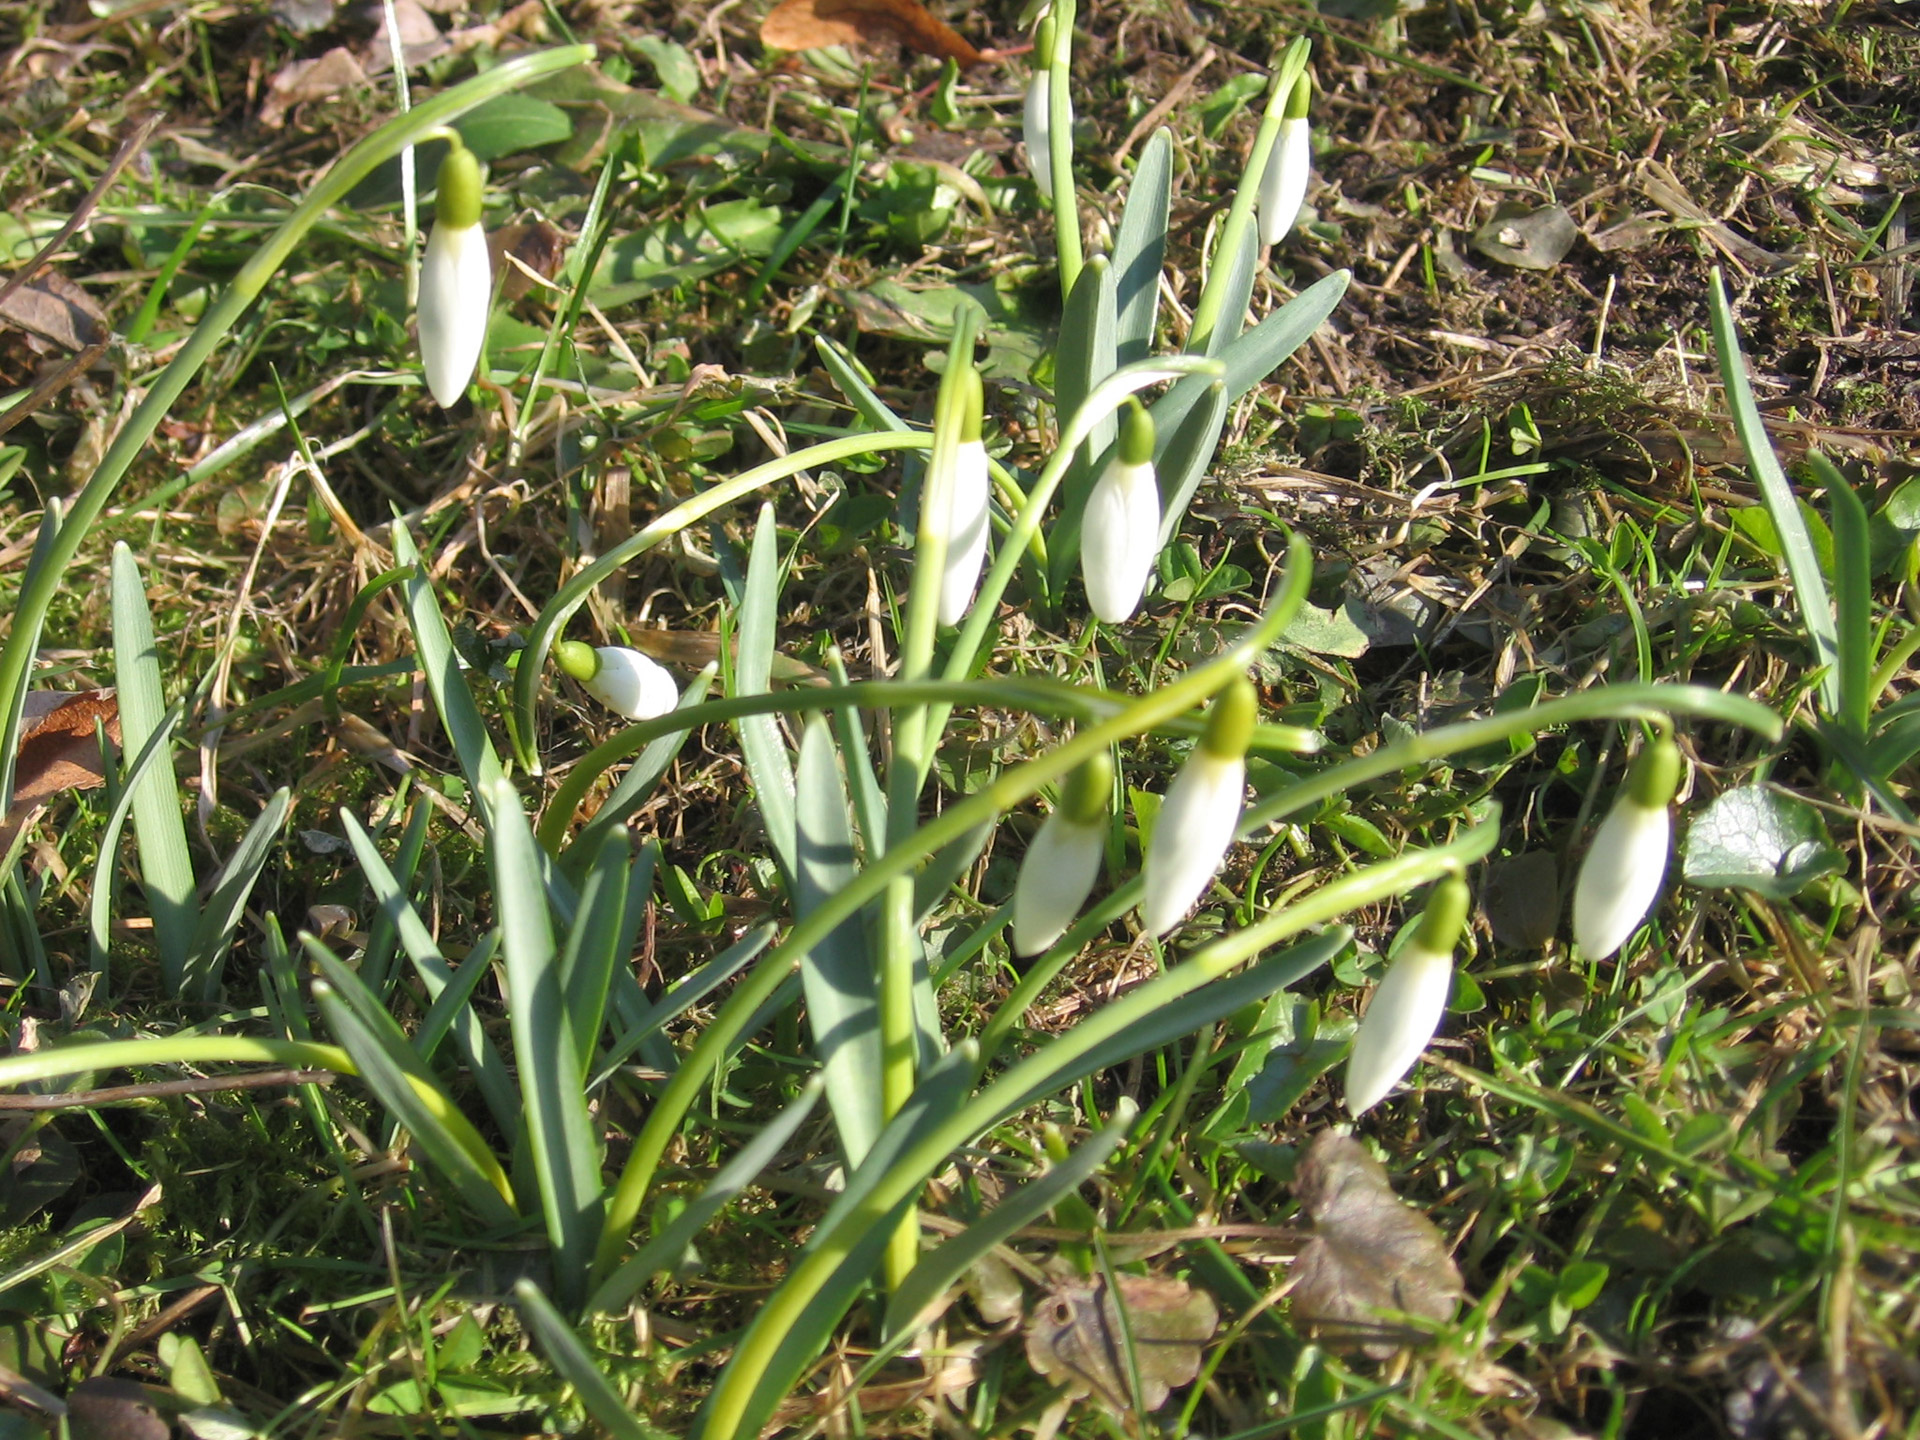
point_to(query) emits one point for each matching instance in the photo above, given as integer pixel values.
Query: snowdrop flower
(1201, 811)
(1620, 878)
(456, 280)
(1063, 859)
(1120, 533)
(1283, 184)
(1408, 1004)
(967, 495)
(623, 680)
(1038, 126)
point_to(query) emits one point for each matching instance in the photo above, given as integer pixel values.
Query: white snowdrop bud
(625, 681)
(1283, 184)
(1063, 859)
(456, 280)
(1201, 811)
(1407, 1005)
(1620, 878)
(1120, 532)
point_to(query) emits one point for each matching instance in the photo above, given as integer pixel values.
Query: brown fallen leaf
(305, 80)
(1074, 1336)
(54, 308)
(536, 245)
(810, 24)
(1371, 1252)
(58, 751)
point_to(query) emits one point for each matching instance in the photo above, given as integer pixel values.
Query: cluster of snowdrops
(1619, 880)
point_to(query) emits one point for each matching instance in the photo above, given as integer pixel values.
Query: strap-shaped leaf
(577, 1367)
(158, 749)
(452, 698)
(838, 975)
(221, 916)
(623, 802)
(408, 1090)
(1139, 248)
(469, 1035)
(761, 742)
(560, 1133)
(166, 865)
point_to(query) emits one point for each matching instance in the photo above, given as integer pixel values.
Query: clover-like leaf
(1758, 839)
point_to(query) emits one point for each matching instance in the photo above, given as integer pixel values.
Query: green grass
(1679, 1184)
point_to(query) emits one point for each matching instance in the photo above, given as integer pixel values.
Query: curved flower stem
(524, 718)
(1066, 197)
(42, 582)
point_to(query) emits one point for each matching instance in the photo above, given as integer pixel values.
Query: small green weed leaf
(508, 124)
(684, 250)
(1580, 1284)
(1527, 239)
(1702, 1132)
(1217, 109)
(43, 1167)
(1756, 838)
(1327, 632)
(187, 1369)
(1521, 897)
(679, 76)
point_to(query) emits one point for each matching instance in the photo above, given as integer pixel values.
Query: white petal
(1405, 1012)
(1620, 878)
(1283, 185)
(1119, 537)
(1036, 130)
(1060, 866)
(456, 292)
(966, 532)
(1196, 824)
(632, 685)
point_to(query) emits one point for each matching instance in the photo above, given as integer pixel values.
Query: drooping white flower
(968, 492)
(1201, 811)
(456, 280)
(1063, 859)
(1283, 184)
(1037, 126)
(1120, 532)
(1407, 1005)
(1620, 878)
(625, 681)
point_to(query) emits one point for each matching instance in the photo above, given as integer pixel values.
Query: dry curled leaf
(1075, 1337)
(58, 751)
(54, 308)
(305, 80)
(1370, 1253)
(104, 1408)
(810, 24)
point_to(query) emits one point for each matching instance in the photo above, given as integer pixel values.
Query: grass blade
(1803, 562)
(231, 890)
(662, 1250)
(560, 1133)
(376, 961)
(166, 865)
(576, 1366)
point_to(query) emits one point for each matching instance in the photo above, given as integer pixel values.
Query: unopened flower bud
(1407, 1005)
(1620, 878)
(1063, 858)
(1283, 184)
(625, 681)
(1120, 532)
(1201, 811)
(456, 280)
